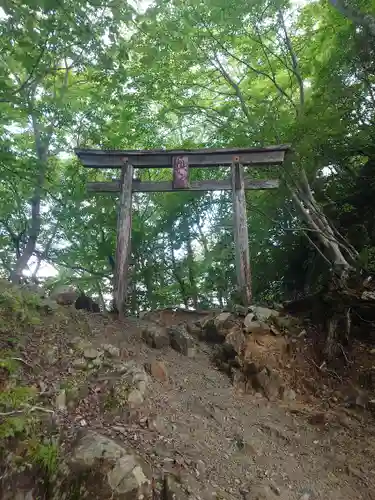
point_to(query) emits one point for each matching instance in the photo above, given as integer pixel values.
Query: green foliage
(8, 363)
(181, 75)
(14, 404)
(18, 307)
(44, 455)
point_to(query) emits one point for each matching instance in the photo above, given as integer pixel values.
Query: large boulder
(155, 336)
(268, 383)
(266, 350)
(217, 328)
(106, 470)
(263, 313)
(64, 295)
(235, 341)
(181, 341)
(257, 327)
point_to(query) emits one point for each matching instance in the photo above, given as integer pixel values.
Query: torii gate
(181, 161)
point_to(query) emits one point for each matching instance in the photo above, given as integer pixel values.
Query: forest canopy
(187, 74)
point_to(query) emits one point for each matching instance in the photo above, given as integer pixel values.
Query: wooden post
(180, 172)
(241, 239)
(124, 224)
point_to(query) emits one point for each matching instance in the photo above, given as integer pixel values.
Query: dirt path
(223, 442)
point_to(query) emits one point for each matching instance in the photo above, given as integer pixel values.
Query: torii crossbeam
(181, 161)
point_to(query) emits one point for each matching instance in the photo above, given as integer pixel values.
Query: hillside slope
(90, 410)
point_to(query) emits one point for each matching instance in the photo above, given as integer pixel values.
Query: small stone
(155, 336)
(264, 313)
(275, 488)
(158, 370)
(268, 382)
(111, 350)
(79, 363)
(248, 320)
(306, 495)
(64, 295)
(97, 362)
(51, 355)
(194, 330)
(289, 395)
(119, 428)
(61, 401)
(320, 418)
(91, 353)
(135, 397)
(239, 310)
(235, 340)
(201, 468)
(48, 305)
(260, 492)
(83, 423)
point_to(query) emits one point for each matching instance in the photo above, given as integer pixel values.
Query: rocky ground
(223, 406)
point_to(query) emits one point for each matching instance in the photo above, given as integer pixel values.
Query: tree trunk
(177, 276)
(41, 148)
(355, 16)
(100, 297)
(190, 259)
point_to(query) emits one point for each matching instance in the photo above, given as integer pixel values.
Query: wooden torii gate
(181, 161)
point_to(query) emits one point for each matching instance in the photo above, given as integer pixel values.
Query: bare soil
(218, 441)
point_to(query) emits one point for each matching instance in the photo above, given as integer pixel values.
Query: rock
(287, 324)
(111, 350)
(249, 318)
(260, 492)
(357, 397)
(86, 303)
(289, 395)
(60, 402)
(79, 343)
(320, 418)
(91, 353)
(181, 341)
(307, 495)
(216, 329)
(93, 447)
(135, 398)
(158, 370)
(172, 489)
(51, 355)
(266, 350)
(97, 362)
(263, 313)
(122, 474)
(268, 382)
(236, 340)
(119, 428)
(239, 310)
(194, 329)
(127, 477)
(257, 327)
(79, 363)
(24, 495)
(48, 305)
(64, 295)
(155, 336)
(130, 389)
(201, 468)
